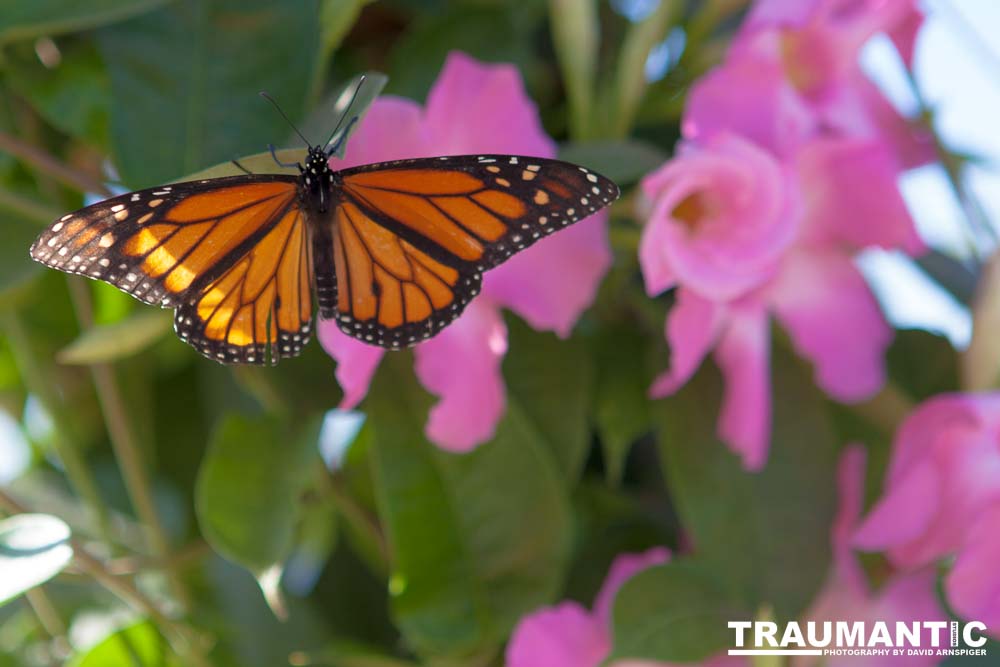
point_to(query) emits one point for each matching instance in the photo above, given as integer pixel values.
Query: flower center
(692, 211)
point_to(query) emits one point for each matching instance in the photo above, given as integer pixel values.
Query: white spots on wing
(155, 202)
(53, 242)
(63, 251)
(533, 167)
(56, 227)
(117, 207)
(131, 277)
(591, 178)
(571, 211)
(596, 190)
(542, 220)
(107, 240)
(121, 215)
(105, 262)
(513, 160)
(136, 197)
(66, 217)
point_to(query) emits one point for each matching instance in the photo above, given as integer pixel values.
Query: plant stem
(360, 519)
(126, 448)
(28, 208)
(50, 165)
(80, 478)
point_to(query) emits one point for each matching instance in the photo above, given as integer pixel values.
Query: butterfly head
(317, 177)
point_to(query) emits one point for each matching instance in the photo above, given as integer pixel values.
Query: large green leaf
(922, 363)
(139, 644)
(185, 81)
(477, 540)
(674, 612)
(624, 161)
(33, 549)
(551, 381)
(250, 485)
(765, 535)
(25, 20)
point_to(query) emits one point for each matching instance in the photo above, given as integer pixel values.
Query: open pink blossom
(474, 108)
(847, 596)
(943, 476)
(793, 74)
(721, 217)
(569, 635)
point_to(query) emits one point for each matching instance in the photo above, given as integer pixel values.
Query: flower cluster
(474, 108)
(787, 168)
(942, 500)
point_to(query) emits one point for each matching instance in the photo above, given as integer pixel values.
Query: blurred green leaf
(621, 409)
(344, 653)
(73, 96)
(109, 342)
(765, 535)
(624, 161)
(247, 497)
(551, 381)
(138, 645)
(477, 540)
(185, 81)
(17, 270)
(319, 124)
(492, 32)
(33, 549)
(674, 612)
(25, 20)
(922, 363)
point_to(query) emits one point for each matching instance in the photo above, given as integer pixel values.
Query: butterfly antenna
(287, 120)
(357, 89)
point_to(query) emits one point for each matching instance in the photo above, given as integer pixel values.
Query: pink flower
(474, 108)
(568, 635)
(722, 217)
(727, 226)
(847, 595)
(792, 74)
(944, 473)
(942, 498)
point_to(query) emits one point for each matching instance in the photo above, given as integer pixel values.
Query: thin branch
(126, 446)
(51, 165)
(28, 208)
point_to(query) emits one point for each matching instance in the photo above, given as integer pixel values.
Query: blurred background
(210, 502)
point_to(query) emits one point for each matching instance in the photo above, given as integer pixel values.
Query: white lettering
(967, 634)
(765, 630)
(739, 626)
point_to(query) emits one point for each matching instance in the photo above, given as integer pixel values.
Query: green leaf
(674, 612)
(621, 408)
(139, 645)
(922, 363)
(26, 20)
(319, 124)
(576, 36)
(73, 96)
(765, 535)
(624, 161)
(33, 549)
(477, 540)
(109, 342)
(247, 497)
(185, 81)
(17, 270)
(551, 381)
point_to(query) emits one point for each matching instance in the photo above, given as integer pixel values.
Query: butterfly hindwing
(419, 233)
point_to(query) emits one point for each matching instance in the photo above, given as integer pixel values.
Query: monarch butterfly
(393, 251)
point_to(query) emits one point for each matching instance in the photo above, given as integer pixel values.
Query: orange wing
(228, 253)
(411, 238)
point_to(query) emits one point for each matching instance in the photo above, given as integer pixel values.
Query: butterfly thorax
(317, 181)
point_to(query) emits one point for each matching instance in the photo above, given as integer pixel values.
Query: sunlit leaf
(139, 644)
(33, 549)
(122, 339)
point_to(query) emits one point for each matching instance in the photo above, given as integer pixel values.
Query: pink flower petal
(501, 116)
(692, 328)
(904, 512)
(850, 483)
(472, 390)
(833, 319)
(551, 283)
(852, 198)
(624, 568)
(562, 636)
(743, 355)
(356, 361)
(392, 129)
(973, 585)
(750, 96)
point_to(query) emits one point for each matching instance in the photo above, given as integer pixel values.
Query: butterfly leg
(274, 155)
